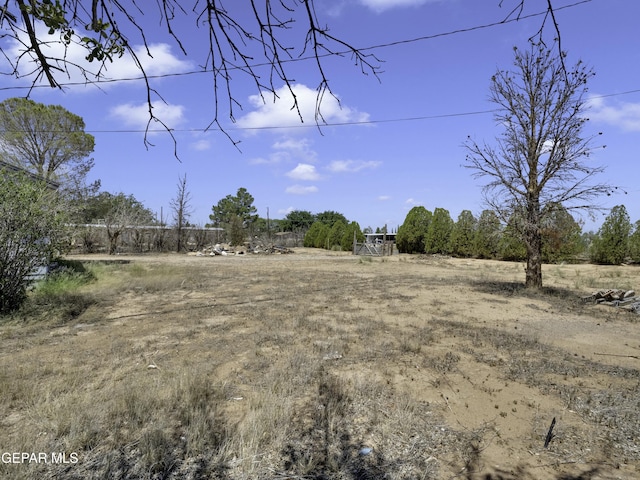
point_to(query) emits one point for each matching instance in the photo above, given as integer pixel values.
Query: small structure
(375, 244)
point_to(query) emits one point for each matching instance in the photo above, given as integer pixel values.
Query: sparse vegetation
(319, 366)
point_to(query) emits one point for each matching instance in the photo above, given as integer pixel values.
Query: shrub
(32, 231)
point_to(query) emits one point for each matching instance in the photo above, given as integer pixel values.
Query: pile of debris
(225, 249)
(625, 299)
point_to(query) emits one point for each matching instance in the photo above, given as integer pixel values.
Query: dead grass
(320, 367)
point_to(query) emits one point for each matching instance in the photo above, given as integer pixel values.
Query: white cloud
(280, 114)
(159, 60)
(137, 116)
(201, 145)
(384, 198)
(351, 166)
(301, 189)
(286, 211)
(382, 5)
(623, 115)
(288, 150)
(304, 171)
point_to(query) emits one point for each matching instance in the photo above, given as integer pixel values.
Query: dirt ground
(451, 368)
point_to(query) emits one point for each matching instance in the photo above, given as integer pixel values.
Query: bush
(32, 231)
(56, 298)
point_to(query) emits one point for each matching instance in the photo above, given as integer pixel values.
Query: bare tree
(541, 161)
(260, 46)
(123, 212)
(181, 206)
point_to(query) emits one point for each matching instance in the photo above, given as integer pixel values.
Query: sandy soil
(497, 365)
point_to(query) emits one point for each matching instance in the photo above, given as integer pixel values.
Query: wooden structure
(375, 245)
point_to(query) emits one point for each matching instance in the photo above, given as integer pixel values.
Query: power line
(326, 125)
(310, 57)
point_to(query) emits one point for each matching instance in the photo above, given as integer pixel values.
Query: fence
(376, 245)
(374, 249)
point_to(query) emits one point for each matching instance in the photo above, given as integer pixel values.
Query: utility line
(311, 57)
(326, 125)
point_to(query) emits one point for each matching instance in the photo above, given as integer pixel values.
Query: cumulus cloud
(280, 114)
(159, 60)
(623, 115)
(304, 171)
(137, 116)
(351, 166)
(301, 189)
(288, 150)
(382, 5)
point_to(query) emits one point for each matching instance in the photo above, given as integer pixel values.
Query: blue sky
(399, 139)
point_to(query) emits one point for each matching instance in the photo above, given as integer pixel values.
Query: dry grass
(321, 367)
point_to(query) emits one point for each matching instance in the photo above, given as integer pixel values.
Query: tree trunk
(113, 243)
(533, 242)
(534, 269)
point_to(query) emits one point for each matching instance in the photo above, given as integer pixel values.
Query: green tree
(49, 141)
(461, 241)
(236, 230)
(611, 245)
(511, 247)
(231, 208)
(561, 236)
(439, 232)
(411, 234)
(347, 237)
(336, 233)
(634, 243)
(298, 221)
(32, 232)
(329, 217)
(316, 236)
(540, 158)
(488, 234)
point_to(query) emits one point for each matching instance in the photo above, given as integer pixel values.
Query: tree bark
(533, 242)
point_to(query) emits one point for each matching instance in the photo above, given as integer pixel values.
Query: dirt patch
(333, 366)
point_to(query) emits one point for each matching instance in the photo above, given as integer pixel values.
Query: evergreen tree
(634, 243)
(347, 238)
(336, 233)
(316, 236)
(561, 237)
(438, 233)
(411, 234)
(511, 246)
(611, 246)
(488, 234)
(461, 242)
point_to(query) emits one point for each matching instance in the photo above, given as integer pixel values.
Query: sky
(392, 142)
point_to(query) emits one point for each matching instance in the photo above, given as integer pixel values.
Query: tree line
(486, 237)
